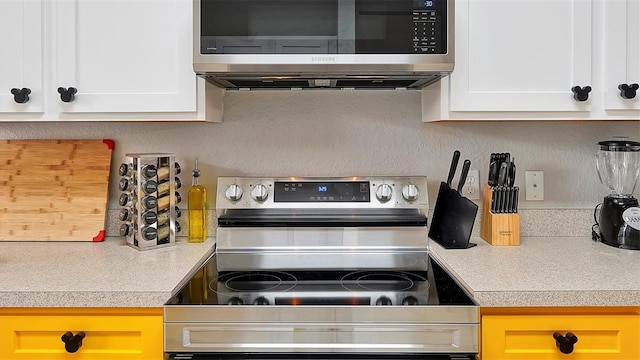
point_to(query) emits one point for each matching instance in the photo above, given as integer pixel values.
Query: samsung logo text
(323, 58)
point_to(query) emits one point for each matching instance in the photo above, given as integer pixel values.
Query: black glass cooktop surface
(429, 286)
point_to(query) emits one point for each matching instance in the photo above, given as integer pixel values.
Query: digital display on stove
(332, 191)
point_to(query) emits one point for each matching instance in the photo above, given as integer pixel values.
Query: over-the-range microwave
(323, 43)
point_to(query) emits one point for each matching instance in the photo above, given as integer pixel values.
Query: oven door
(323, 26)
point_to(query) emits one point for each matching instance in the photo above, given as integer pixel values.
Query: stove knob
(259, 193)
(383, 300)
(384, 192)
(261, 301)
(233, 192)
(235, 301)
(410, 300)
(410, 192)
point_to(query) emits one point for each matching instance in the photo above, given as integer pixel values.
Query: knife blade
(454, 166)
(502, 174)
(463, 176)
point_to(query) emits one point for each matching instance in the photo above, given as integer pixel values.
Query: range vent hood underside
(232, 81)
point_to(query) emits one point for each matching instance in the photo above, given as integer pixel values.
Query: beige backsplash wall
(338, 132)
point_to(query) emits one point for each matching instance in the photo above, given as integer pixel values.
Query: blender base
(614, 231)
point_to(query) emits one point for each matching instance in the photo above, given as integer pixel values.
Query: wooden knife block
(498, 229)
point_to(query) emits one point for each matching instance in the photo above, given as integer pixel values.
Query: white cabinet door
(125, 55)
(21, 54)
(621, 38)
(523, 55)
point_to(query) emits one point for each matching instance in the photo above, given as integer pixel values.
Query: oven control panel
(295, 192)
(321, 191)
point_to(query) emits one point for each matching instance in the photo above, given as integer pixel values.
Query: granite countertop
(542, 271)
(545, 271)
(87, 274)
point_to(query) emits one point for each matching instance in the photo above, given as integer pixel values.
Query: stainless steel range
(321, 268)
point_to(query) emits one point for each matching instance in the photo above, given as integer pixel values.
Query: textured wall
(337, 133)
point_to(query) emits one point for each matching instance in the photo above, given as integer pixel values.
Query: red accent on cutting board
(100, 236)
(110, 143)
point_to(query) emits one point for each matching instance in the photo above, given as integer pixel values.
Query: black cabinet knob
(628, 91)
(565, 343)
(72, 343)
(21, 96)
(67, 94)
(581, 93)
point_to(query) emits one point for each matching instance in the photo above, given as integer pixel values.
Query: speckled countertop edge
(564, 271)
(104, 274)
(558, 298)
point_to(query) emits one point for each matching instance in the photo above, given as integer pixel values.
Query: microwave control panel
(428, 21)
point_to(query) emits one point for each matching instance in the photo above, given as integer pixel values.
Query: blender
(618, 164)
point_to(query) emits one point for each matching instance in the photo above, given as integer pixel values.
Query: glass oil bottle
(197, 209)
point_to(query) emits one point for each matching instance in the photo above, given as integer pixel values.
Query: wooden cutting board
(54, 190)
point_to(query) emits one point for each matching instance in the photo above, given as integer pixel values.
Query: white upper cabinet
(125, 56)
(103, 60)
(21, 56)
(521, 55)
(622, 54)
(540, 60)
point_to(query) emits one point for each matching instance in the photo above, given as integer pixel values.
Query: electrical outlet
(534, 185)
(471, 188)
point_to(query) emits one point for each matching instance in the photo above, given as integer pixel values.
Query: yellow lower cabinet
(81, 334)
(561, 333)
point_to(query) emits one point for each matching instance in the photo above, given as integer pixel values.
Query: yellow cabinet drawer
(600, 337)
(110, 334)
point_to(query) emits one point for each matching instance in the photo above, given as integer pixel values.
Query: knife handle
(502, 174)
(512, 173)
(494, 199)
(493, 173)
(454, 166)
(463, 176)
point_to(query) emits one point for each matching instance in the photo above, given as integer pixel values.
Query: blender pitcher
(618, 164)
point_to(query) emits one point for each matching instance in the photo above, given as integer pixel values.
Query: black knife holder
(498, 229)
(453, 219)
(149, 200)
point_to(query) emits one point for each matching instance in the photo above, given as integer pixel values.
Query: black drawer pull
(67, 95)
(565, 343)
(628, 91)
(581, 93)
(21, 96)
(72, 343)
